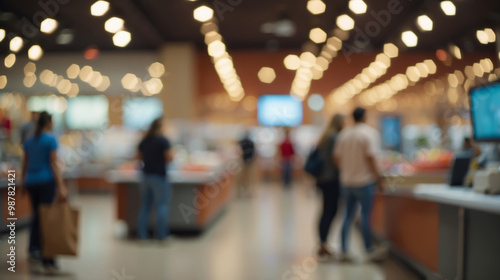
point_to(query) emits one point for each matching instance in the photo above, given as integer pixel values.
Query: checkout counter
(199, 197)
(443, 232)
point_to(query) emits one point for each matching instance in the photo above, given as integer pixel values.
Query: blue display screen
(279, 110)
(87, 112)
(391, 133)
(485, 111)
(140, 112)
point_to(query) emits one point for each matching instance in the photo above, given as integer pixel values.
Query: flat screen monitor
(87, 112)
(279, 110)
(140, 112)
(485, 112)
(391, 132)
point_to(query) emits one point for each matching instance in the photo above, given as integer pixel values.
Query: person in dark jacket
(247, 147)
(328, 181)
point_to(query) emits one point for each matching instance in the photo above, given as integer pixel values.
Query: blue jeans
(155, 190)
(353, 196)
(287, 173)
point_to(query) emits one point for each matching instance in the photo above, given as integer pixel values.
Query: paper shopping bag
(59, 229)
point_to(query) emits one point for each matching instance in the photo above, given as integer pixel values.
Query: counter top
(174, 176)
(457, 196)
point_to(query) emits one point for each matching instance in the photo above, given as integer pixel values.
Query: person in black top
(328, 182)
(155, 153)
(247, 148)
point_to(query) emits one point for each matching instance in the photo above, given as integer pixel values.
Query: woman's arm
(62, 190)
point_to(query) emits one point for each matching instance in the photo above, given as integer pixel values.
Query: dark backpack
(314, 163)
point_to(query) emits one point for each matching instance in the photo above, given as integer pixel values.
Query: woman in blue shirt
(154, 151)
(42, 180)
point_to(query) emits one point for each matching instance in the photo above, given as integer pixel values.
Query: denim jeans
(39, 194)
(353, 196)
(287, 173)
(157, 192)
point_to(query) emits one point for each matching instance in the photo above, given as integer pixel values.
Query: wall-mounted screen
(391, 132)
(87, 112)
(139, 112)
(485, 112)
(279, 110)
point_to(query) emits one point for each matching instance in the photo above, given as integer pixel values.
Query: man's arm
(372, 162)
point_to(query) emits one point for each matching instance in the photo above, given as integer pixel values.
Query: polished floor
(269, 236)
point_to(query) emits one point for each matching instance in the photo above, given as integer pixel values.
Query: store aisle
(271, 236)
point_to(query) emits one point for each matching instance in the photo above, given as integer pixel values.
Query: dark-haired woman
(328, 182)
(155, 153)
(42, 180)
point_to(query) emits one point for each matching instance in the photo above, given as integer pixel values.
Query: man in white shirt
(355, 154)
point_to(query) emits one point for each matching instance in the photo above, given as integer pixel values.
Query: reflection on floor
(270, 236)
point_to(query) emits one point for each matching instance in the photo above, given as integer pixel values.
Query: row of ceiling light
(221, 59)
(114, 25)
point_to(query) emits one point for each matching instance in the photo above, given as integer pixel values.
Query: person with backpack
(327, 180)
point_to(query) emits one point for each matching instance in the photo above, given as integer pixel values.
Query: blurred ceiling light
(452, 80)
(3, 81)
(413, 74)
(203, 13)
(104, 84)
(409, 38)
(16, 44)
(486, 64)
(209, 27)
(307, 59)
(482, 37)
(357, 6)
(334, 43)
(478, 69)
(448, 8)
(86, 73)
(35, 52)
(99, 8)
(30, 67)
(422, 69)
(2, 34)
(491, 35)
(48, 25)
(46, 76)
(316, 7)
(456, 52)
(10, 60)
(114, 24)
(460, 76)
(29, 80)
(291, 62)
(96, 79)
(322, 63)
(431, 66)
(317, 35)
(129, 81)
(156, 70)
(73, 71)
(122, 38)
(391, 50)
(216, 49)
(74, 90)
(266, 75)
(316, 102)
(64, 86)
(424, 22)
(345, 22)
(65, 37)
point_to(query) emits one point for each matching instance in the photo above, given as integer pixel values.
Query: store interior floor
(269, 236)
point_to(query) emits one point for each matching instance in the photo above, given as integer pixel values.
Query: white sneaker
(379, 254)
